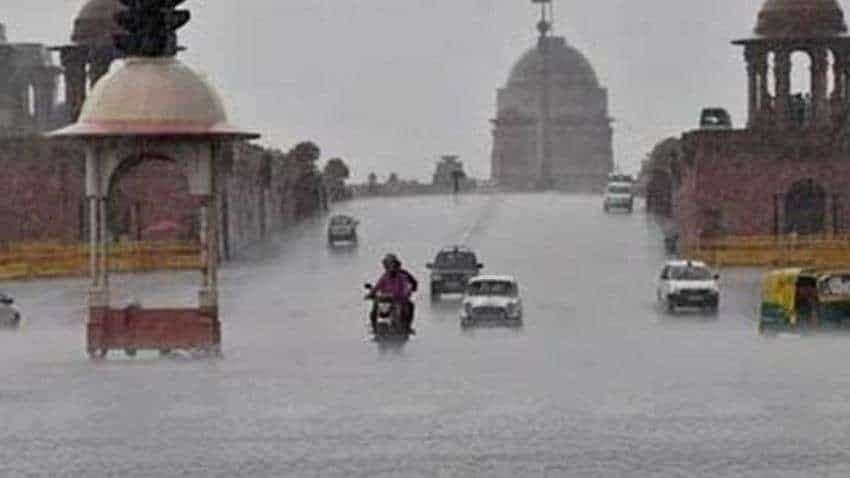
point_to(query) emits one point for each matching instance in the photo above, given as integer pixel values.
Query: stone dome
(95, 23)
(566, 65)
(800, 19)
(153, 96)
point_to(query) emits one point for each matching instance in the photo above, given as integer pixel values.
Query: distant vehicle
(689, 284)
(342, 228)
(804, 301)
(492, 299)
(620, 178)
(619, 195)
(10, 316)
(715, 118)
(452, 269)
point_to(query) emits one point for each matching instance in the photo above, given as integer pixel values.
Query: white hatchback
(492, 299)
(688, 284)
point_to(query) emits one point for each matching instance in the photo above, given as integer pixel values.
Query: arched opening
(801, 87)
(830, 73)
(31, 101)
(149, 200)
(805, 208)
(770, 80)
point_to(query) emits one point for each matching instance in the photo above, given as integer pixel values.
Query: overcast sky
(390, 85)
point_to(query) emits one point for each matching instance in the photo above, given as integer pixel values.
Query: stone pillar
(99, 60)
(820, 103)
(782, 73)
(73, 60)
(95, 194)
(750, 56)
(765, 100)
(45, 97)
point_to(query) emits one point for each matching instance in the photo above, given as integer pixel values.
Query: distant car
(342, 229)
(492, 299)
(620, 178)
(452, 269)
(715, 118)
(619, 196)
(10, 316)
(688, 284)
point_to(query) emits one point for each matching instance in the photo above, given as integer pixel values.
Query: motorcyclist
(398, 284)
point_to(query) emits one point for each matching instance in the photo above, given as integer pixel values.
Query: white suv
(619, 195)
(688, 284)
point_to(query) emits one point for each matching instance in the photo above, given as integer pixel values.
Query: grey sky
(392, 84)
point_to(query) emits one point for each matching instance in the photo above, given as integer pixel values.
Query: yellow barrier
(56, 259)
(784, 251)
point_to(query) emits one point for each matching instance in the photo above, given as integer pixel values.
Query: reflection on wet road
(599, 382)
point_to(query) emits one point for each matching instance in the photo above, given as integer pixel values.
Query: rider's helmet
(390, 261)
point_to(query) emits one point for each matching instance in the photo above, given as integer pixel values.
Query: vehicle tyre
(435, 291)
(164, 352)
(671, 307)
(606, 208)
(130, 352)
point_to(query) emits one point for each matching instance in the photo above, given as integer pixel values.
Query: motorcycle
(389, 320)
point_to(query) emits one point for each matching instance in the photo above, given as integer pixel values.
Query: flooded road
(599, 382)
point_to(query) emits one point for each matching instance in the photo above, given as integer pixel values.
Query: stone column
(782, 73)
(820, 104)
(45, 97)
(99, 60)
(765, 101)
(73, 60)
(99, 287)
(750, 56)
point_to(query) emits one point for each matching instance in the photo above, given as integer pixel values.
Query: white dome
(152, 96)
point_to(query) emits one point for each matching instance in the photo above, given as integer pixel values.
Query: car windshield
(456, 259)
(497, 288)
(619, 189)
(690, 273)
(341, 221)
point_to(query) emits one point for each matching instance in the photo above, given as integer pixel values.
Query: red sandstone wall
(740, 176)
(42, 193)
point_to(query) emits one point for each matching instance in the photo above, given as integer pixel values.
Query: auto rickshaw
(804, 300)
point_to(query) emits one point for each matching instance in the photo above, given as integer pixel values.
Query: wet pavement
(599, 382)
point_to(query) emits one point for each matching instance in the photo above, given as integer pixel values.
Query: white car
(492, 299)
(10, 316)
(688, 284)
(619, 196)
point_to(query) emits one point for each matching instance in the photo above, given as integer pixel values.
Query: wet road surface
(599, 382)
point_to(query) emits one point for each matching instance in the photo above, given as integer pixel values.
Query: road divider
(774, 251)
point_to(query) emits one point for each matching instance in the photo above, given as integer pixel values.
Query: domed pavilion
(91, 51)
(552, 128)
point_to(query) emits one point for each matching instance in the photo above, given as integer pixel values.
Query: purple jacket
(398, 287)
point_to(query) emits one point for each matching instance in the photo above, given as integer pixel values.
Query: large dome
(152, 96)
(95, 24)
(566, 65)
(800, 18)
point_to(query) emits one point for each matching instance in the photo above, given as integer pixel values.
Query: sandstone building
(787, 171)
(552, 129)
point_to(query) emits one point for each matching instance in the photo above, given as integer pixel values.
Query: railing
(781, 251)
(57, 259)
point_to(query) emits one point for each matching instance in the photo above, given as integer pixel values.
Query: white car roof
(492, 278)
(684, 263)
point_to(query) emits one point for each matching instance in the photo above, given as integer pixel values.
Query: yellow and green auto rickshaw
(804, 300)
